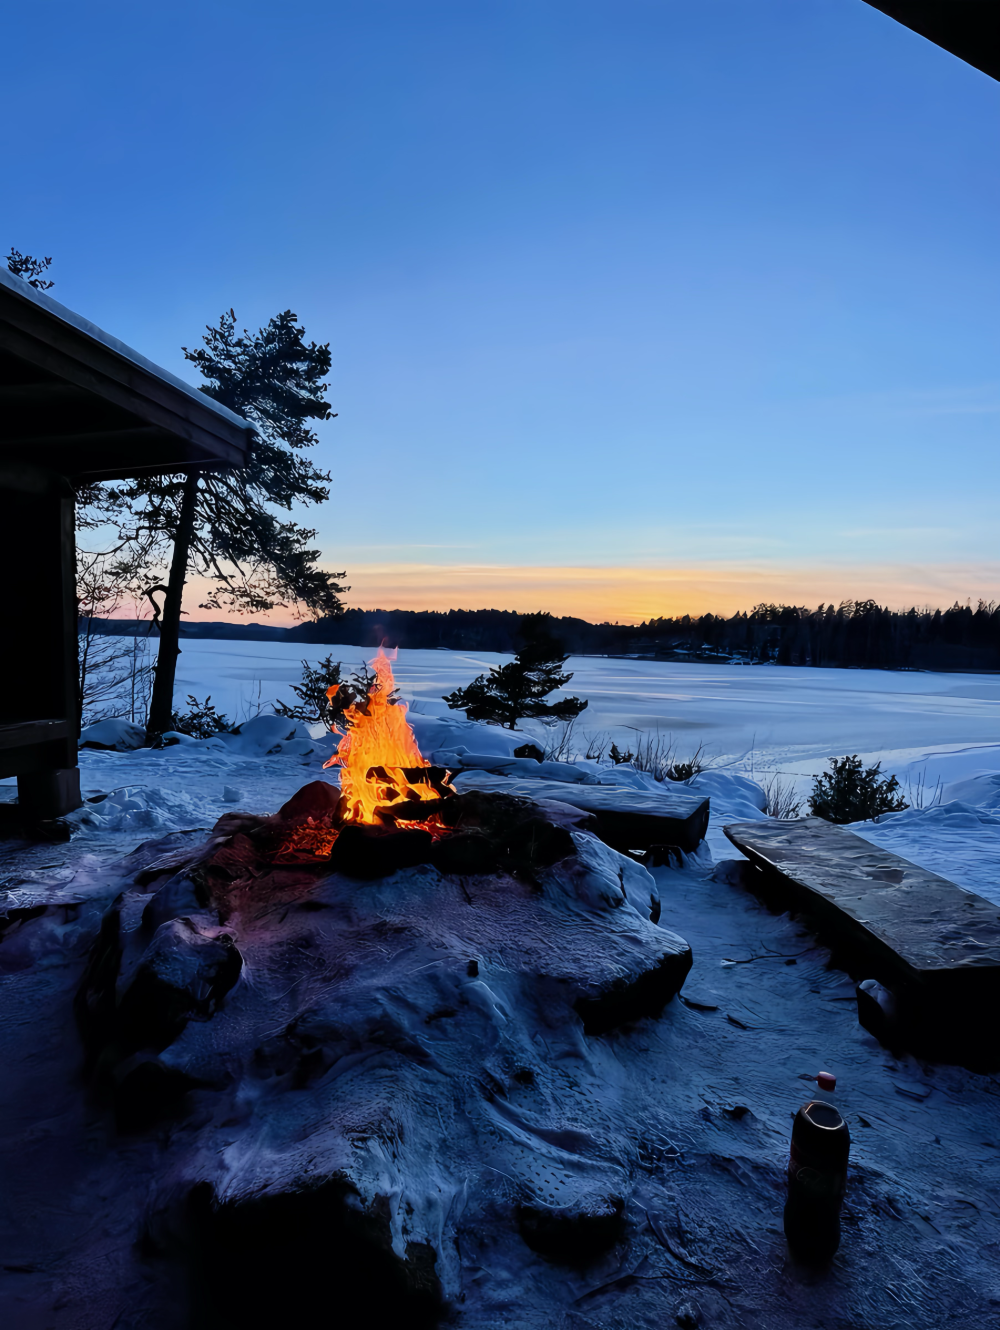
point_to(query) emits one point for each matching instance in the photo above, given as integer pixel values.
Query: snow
(764, 1008)
(263, 736)
(939, 733)
(117, 732)
(764, 716)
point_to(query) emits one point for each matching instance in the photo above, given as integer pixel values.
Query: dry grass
(782, 800)
(597, 745)
(656, 753)
(563, 744)
(918, 793)
(652, 751)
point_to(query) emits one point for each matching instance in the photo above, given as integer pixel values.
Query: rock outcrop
(385, 1067)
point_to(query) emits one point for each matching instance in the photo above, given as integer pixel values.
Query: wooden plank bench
(626, 819)
(935, 944)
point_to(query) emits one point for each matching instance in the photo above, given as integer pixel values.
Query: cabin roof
(77, 401)
(969, 29)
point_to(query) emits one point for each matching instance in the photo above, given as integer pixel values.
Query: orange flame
(377, 750)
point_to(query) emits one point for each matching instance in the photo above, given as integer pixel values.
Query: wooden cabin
(76, 405)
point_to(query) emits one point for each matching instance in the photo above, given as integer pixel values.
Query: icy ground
(922, 1232)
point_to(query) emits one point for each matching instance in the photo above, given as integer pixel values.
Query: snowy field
(940, 733)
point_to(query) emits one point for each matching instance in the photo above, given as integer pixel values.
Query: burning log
(378, 756)
(384, 780)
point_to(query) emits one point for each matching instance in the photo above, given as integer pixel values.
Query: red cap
(826, 1080)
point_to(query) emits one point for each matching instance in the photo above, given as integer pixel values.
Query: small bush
(850, 792)
(201, 720)
(618, 757)
(314, 705)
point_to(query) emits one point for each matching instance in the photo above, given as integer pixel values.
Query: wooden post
(38, 662)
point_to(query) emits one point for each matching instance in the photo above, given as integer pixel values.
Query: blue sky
(635, 305)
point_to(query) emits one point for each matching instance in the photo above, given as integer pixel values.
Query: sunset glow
(633, 595)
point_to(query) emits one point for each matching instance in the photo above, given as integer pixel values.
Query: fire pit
(393, 810)
(382, 997)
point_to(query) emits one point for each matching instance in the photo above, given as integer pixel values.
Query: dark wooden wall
(39, 721)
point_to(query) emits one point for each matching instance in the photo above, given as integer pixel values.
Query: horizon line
(634, 595)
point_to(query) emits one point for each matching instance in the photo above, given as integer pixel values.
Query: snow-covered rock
(733, 797)
(263, 736)
(149, 810)
(502, 765)
(118, 734)
(454, 734)
(625, 776)
(425, 1046)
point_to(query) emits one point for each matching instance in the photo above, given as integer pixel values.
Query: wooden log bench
(624, 818)
(934, 944)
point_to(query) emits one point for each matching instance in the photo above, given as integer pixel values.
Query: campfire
(393, 810)
(384, 777)
(378, 756)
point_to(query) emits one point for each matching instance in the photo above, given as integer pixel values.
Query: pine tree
(517, 691)
(222, 524)
(24, 266)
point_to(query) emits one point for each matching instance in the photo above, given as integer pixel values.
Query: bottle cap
(826, 1080)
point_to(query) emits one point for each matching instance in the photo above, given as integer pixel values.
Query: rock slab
(931, 941)
(626, 819)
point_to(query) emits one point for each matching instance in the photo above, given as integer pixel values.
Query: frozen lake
(751, 717)
(939, 733)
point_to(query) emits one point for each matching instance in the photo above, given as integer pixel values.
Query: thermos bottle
(817, 1177)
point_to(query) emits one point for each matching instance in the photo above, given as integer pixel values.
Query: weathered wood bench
(626, 819)
(934, 944)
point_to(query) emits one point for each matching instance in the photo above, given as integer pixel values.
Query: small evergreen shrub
(201, 720)
(314, 705)
(850, 792)
(518, 691)
(618, 757)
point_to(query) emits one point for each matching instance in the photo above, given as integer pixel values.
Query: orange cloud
(630, 595)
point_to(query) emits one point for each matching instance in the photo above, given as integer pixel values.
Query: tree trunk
(162, 703)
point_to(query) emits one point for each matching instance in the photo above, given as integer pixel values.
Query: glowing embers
(307, 844)
(381, 768)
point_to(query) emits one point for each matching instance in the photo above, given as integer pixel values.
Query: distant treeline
(855, 634)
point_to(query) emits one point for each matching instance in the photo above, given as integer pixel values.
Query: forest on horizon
(853, 634)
